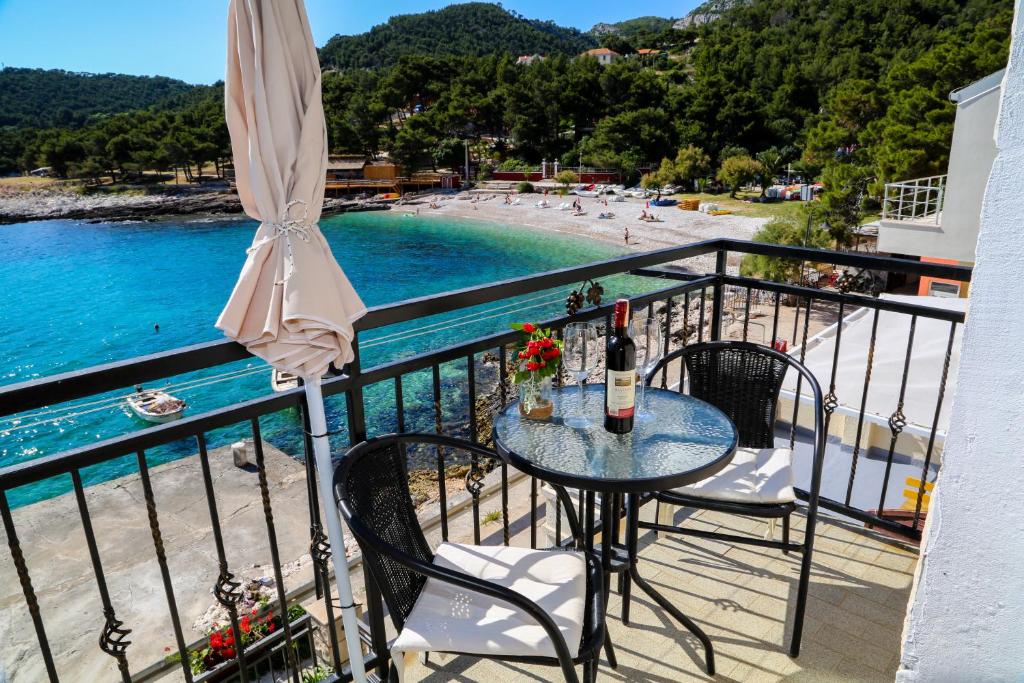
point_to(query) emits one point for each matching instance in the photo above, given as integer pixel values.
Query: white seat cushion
(755, 475)
(447, 618)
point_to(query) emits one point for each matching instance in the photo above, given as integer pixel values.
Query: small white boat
(156, 406)
(283, 381)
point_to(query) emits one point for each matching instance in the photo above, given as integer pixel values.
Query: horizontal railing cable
(112, 402)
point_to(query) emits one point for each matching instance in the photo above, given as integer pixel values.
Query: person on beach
(627, 234)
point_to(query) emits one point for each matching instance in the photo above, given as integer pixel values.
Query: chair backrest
(371, 485)
(741, 379)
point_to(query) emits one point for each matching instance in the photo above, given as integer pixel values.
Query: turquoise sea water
(78, 294)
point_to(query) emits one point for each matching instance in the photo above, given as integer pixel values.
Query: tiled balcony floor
(742, 597)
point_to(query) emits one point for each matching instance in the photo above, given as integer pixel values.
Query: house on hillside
(527, 60)
(649, 55)
(603, 55)
(937, 218)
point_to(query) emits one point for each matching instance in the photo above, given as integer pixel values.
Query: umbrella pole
(335, 532)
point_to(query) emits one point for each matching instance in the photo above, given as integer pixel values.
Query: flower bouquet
(537, 359)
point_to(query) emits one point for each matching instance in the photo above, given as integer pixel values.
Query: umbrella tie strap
(329, 432)
(288, 227)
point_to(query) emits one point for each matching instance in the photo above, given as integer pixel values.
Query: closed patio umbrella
(292, 305)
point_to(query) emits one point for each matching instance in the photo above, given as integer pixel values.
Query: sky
(185, 38)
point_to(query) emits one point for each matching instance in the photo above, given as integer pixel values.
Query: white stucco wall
(970, 162)
(966, 619)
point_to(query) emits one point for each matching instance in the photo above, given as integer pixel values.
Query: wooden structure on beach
(380, 178)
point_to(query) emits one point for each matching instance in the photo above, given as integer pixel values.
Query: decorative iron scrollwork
(897, 421)
(830, 403)
(226, 590)
(475, 480)
(576, 299)
(112, 639)
(320, 549)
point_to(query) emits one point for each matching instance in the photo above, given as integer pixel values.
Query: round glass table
(687, 441)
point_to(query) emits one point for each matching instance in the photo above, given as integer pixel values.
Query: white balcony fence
(917, 200)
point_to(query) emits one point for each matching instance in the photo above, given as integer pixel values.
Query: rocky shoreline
(23, 207)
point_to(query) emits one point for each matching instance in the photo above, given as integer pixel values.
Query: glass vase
(535, 398)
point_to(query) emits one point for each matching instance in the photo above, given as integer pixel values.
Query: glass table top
(686, 441)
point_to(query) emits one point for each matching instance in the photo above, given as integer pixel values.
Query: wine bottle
(620, 374)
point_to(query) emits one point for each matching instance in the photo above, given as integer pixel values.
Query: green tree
(771, 164)
(844, 193)
(565, 179)
(738, 171)
(788, 232)
(692, 164)
(651, 182)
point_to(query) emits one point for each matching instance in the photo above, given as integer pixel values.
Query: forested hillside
(633, 27)
(852, 91)
(41, 98)
(474, 28)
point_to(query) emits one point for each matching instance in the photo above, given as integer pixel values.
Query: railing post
(719, 294)
(375, 618)
(354, 399)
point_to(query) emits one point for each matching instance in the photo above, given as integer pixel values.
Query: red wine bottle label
(621, 393)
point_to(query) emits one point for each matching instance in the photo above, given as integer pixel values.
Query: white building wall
(966, 618)
(972, 149)
(970, 162)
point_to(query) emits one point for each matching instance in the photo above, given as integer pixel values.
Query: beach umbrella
(292, 304)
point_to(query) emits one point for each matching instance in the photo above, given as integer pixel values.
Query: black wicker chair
(744, 380)
(371, 488)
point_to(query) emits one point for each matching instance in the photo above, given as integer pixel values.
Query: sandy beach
(675, 226)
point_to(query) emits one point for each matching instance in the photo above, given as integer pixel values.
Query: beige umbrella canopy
(292, 305)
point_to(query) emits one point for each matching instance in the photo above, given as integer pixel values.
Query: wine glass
(649, 350)
(580, 355)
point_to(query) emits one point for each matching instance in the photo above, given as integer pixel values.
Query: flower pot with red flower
(536, 362)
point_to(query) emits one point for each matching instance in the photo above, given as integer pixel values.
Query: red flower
(532, 366)
(522, 354)
(547, 343)
(270, 627)
(229, 639)
(555, 353)
(529, 328)
(245, 625)
(543, 364)
(228, 653)
(216, 640)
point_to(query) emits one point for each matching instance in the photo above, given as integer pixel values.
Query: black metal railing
(694, 306)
